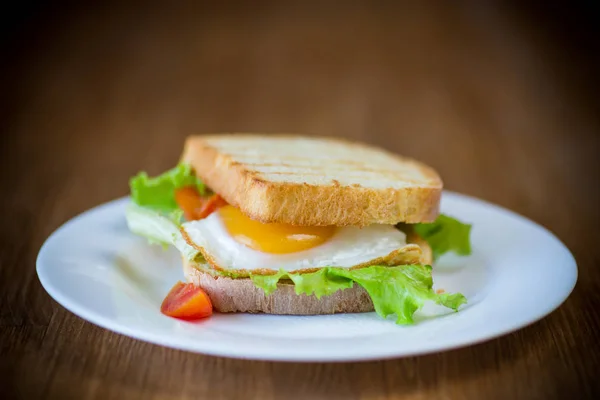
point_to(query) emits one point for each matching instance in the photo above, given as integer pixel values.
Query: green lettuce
(320, 283)
(158, 193)
(158, 228)
(400, 290)
(446, 234)
(268, 283)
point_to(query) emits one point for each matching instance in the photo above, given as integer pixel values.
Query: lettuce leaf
(158, 228)
(317, 283)
(446, 234)
(158, 193)
(268, 283)
(451, 300)
(320, 283)
(400, 290)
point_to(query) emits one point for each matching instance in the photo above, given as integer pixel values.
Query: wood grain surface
(489, 95)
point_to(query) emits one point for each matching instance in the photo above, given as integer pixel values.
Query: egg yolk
(273, 237)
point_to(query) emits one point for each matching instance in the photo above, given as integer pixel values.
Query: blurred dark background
(465, 87)
(500, 97)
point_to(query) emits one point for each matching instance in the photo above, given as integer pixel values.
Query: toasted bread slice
(314, 181)
(241, 295)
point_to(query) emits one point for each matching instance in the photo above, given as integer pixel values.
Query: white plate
(518, 273)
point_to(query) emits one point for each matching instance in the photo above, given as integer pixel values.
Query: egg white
(349, 246)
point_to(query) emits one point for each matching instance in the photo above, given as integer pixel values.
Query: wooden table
(488, 95)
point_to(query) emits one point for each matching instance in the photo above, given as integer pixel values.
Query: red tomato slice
(189, 200)
(195, 206)
(210, 205)
(186, 301)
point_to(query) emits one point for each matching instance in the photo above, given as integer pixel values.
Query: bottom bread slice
(241, 295)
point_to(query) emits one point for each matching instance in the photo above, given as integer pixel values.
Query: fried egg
(231, 241)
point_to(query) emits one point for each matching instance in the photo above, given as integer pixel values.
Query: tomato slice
(211, 204)
(189, 200)
(195, 206)
(187, 301)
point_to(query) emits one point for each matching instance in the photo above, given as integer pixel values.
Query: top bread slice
(312, 181)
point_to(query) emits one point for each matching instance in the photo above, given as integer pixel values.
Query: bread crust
(313, 204)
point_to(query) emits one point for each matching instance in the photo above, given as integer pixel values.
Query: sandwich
(287, 224)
